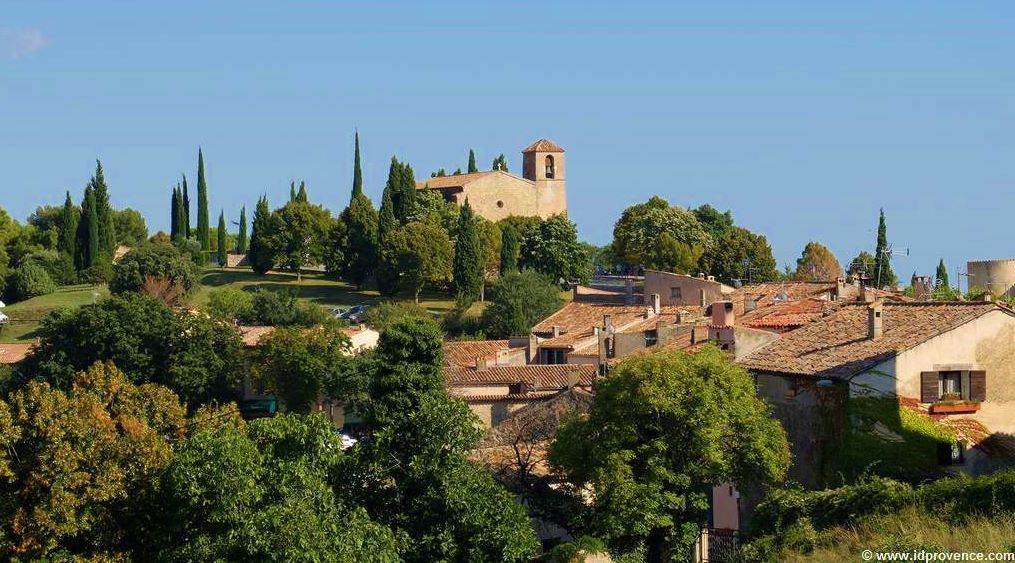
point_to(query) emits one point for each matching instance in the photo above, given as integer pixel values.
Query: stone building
(496, 194)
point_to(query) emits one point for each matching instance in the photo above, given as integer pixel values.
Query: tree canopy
(553, 249)
(639, 227)
(519, 300)
(298, 235)
(817, 263)
(413, 256)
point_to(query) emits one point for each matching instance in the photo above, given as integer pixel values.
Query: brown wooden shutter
(978, 385)
(929, 387)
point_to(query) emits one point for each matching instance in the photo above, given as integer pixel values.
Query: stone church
(539, 191)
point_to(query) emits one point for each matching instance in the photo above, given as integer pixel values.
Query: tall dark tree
(174, 213)
(467, 268)
(203, 228)
(68, 226)
(941, 277)
(86, 252)
(107, 232)
(357, 172)
(361, 225)
(472, 162)
(883, 274)
(302, 194)
(508, 249)
(401, 188)
(292, 190)
(186, 209)
(241, 239)
(500, 163)
(386, 221)
(260, 255)
(223, 252)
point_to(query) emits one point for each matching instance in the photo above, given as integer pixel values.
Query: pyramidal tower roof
(543, 145)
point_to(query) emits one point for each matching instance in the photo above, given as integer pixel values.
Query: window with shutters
(953, 391)
(950, 385)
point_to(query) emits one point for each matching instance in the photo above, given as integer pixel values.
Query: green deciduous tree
(298, 235)
(154, 261)
(662, 431)
(261, 255)
(241, 239)
(717, 224)
(554, 250)
(670, 255)
(637, 231)
(741, 255)
(130, 226)
(519, 300)
(817, 263)
(203, 227)
(298, 364)
(468, 266)
(862, 265)
(413, 256)
(360, 253)
(30, 280)
(450, 509)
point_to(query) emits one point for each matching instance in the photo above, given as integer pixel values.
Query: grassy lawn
(314, 288)
(26, 315)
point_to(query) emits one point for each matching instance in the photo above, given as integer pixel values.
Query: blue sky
(803, 120)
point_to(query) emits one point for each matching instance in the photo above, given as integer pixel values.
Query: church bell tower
(543, 163)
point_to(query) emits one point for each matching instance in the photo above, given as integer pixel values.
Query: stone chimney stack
(840, 288)
(875, 320)
(722, 313)
(556, 331)
(607, 321)
(655, 301)
(480, 363)
(866, 294)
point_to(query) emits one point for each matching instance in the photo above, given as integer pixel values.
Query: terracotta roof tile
(540, 377)
(459, 180)
(577, 321)
(14, 352)
(837, 345)
(543, 145)
(251, 335)
(464, 353)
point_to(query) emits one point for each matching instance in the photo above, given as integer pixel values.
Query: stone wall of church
(495, 196)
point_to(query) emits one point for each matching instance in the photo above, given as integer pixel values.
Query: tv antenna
(886, 255)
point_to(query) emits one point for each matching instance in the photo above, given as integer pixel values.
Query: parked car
(355, 313)
(337, 312)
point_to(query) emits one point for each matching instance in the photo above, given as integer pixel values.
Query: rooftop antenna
(887, 254)
(959, 274)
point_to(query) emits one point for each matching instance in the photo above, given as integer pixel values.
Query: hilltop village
(452, 374)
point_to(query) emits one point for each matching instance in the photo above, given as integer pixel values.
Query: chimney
(701, 295)
(722, 313)
(607, 321)
(556, 331)
(875, 319)
(701, 275)
(532, 348)
(656, 308)
(711, 278)
(750, 304)
(574, 292)
(480, 363)
(840, 288)
(684, 317)
(866, 294)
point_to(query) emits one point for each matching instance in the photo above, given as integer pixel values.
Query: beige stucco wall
(491, 413)
(690, 288)
(987, 343)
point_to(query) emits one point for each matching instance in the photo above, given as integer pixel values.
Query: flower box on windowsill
(955, 407)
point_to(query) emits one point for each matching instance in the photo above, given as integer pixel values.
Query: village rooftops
(576, 322)
(537, 376)
(839, 345)
(465, 353)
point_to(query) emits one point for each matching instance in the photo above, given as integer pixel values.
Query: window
(549, 166)
(951, 382)
(553, 355)
(675, 293)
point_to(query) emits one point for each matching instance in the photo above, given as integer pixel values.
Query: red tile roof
(838, 346)
(543, 145)
(787, 314)
(578, 320)
(460, 180)
(540, 377)
(14, 352)
(464, 353)
(251, 335)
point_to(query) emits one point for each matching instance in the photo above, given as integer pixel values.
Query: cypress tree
(292, 191)
(508, 249)
(87, 244)
(107, 232)
(186, 209)
(467, 268)
(202, 209)
(357, 172)
(223, 251)
(472, 162)
(500, 163)
(386, 221)
(302, 195)
(181, 215)
(174, 222)
(69, 226)
(942, 274)
(883, 274)
(259, 254)
(241, 239)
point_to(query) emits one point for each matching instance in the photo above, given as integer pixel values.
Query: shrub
(228, 304)
(160, 261)
(58, 265)
(382, 314)
(281, 308)
(98, 274)
(30, 280)
(519, 301)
